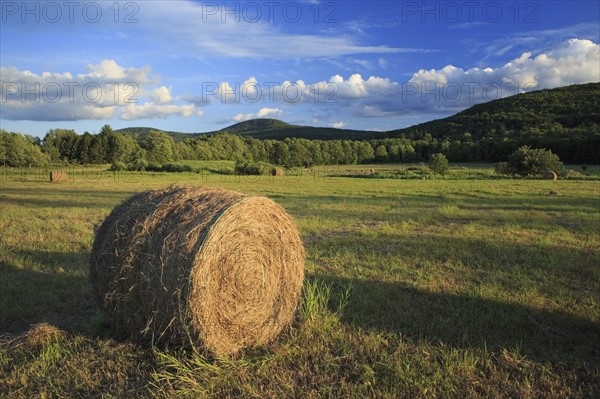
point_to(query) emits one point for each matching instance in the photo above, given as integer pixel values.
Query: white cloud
(151, 111)
(262, 113)
(107, 91)
(243, 117)
(216, 29)
(338, 125)
(451, 89)
(571, 62)
(161, 95)
(268, 112)
(109, 70)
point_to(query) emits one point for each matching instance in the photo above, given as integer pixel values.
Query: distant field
(445, 288)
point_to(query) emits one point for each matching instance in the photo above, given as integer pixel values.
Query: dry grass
(37, 335)
(207, 268)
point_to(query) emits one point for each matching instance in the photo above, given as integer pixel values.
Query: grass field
(417, 289)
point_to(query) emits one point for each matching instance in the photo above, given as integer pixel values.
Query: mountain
(256, 125)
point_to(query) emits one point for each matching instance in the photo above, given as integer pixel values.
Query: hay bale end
(210, 269)
(277, 172)
(58, 176)
(550, 175)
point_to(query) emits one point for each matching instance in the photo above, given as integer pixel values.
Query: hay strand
(205, 268)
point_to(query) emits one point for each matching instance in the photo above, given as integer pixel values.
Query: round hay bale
(58, 176)
(207, 268)
(550, 175)
(277, 172)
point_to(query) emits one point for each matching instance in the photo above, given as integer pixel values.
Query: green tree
(20, 150)
(280, 153)
(122, 148)
(381, 154)
(158, 146)
(526, 161)
(83, 148)
(364, 152)
(438, 163)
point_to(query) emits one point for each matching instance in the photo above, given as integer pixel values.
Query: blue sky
(200, 66)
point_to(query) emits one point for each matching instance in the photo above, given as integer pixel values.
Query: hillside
(257, 125)
(543, 112)
(142, 131)
(565, 119)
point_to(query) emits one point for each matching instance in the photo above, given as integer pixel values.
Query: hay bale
(550, 175)
(277, 172)
(58, 176)
(206, 268)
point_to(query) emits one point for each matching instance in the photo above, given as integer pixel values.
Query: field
(443, 288)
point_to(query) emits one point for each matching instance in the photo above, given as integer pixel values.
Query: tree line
(143, 151)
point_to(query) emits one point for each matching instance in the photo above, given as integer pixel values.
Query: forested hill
(565, 112)
(565, 120)
(570, 109)
(268, 129)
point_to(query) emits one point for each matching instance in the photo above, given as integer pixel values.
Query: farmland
(458, 287)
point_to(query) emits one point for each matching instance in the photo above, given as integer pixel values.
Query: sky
(195, 66)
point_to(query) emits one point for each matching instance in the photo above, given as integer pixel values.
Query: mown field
(443, 288)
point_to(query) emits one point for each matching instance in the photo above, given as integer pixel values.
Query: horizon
(197, 67)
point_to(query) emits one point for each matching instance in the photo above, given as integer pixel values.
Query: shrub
(502, 168)
(169, 167)
(438, 163)
(253, 168)
(533, 162)
(138, 164)
(176, 168)
(117, 166)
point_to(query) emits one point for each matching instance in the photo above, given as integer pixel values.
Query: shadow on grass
(45, 286)
(61, 295)
(61, 198)
(469, 322)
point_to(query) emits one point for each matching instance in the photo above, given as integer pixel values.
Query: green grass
(415, 288)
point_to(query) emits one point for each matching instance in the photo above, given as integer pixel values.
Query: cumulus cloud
(429, 91)
(338, 125)
(108, 90)
(288, 92)
(262, 113)
(243, 117)
(151, 110)
(572, 62)
(451, 88)
(268, 112)
(161, 95)
(109, 70)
